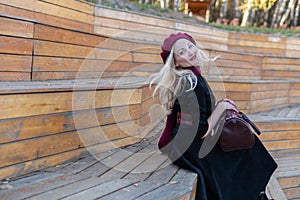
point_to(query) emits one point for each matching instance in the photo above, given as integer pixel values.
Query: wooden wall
(45, 128)
(68, 39)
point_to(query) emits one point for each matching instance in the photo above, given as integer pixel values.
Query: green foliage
(164, 10)
(262, 30)
(92, 1)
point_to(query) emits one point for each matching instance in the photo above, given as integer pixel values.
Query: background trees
(267, 13)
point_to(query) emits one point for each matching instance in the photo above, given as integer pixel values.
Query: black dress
(235, 175)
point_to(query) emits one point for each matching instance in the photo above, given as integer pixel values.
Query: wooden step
(280, 134)
(252, 96)
(46, 123)
(138, 171)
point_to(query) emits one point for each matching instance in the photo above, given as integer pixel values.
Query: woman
(191, 108)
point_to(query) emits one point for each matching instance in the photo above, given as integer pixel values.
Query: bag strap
(250, 122)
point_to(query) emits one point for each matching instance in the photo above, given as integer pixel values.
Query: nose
(190, 52)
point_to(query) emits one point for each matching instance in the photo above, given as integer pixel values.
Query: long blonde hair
(173, 81)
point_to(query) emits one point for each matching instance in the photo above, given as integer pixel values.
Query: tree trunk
(297, 10)
(167, 3)
(247, 12)
(177, 4)
(288, 15)
(234, 9)
(162, 3)
(223, 11)
(280, 11)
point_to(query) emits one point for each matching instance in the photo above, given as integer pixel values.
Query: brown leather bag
(238, 132)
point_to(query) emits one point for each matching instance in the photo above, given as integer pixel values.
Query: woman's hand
(228, 104)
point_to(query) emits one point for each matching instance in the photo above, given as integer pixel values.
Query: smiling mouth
(193, 58)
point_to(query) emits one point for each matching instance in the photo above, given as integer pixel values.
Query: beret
(169, 42)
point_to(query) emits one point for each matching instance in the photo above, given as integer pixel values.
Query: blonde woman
(191, 112)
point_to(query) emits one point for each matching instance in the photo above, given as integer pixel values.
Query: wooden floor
(288, 158)
(140, 171)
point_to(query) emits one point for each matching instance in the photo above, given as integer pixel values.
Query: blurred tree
(268, 13)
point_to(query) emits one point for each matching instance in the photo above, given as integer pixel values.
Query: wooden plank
(239, 64)
(75, 51)
(129, 27)
(37, 148)
(137, 18)
(280, 135)
(101, 189)
(61, 64)
(10, 10)
(14, 76)
(42, 185)
(133, 191)
(15, 63)
(26, 4)
(75, 5)
(51, 9)
(42, 125)
(11, 27)
(292, 49)
(237, 86)
(26, 87)
(264, 40)
(69, 189)
(281, 74)
(269, 94)
(16, 45)
(282, 144)
(281, 60)
(86, 75)
(42, 163)
(275, 189)
(38, 164)
(58, 143)
(64, 23)
(47, 19)
(292, 193)
(169, 191)
(202, 33)
(56, 34)
(21, 105)
(259, 50)
(289, 182)
(280, 67)
(236, 56)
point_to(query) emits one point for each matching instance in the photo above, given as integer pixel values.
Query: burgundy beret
(169, 42)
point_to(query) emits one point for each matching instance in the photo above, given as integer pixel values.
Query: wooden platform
(135, 172)
(281, 135)
(138, 171)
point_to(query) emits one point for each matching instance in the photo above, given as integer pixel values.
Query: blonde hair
(173, 81)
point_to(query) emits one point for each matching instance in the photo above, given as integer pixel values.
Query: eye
(181, 52)
(190, 46)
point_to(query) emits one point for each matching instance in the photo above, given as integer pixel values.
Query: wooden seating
(45, 123)
(281, 136)
(138, 171)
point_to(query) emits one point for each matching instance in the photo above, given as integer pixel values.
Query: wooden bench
(138, 171)
(45, 123)
(281, 135)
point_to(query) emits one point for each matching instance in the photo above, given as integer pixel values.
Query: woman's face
(185, 53)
